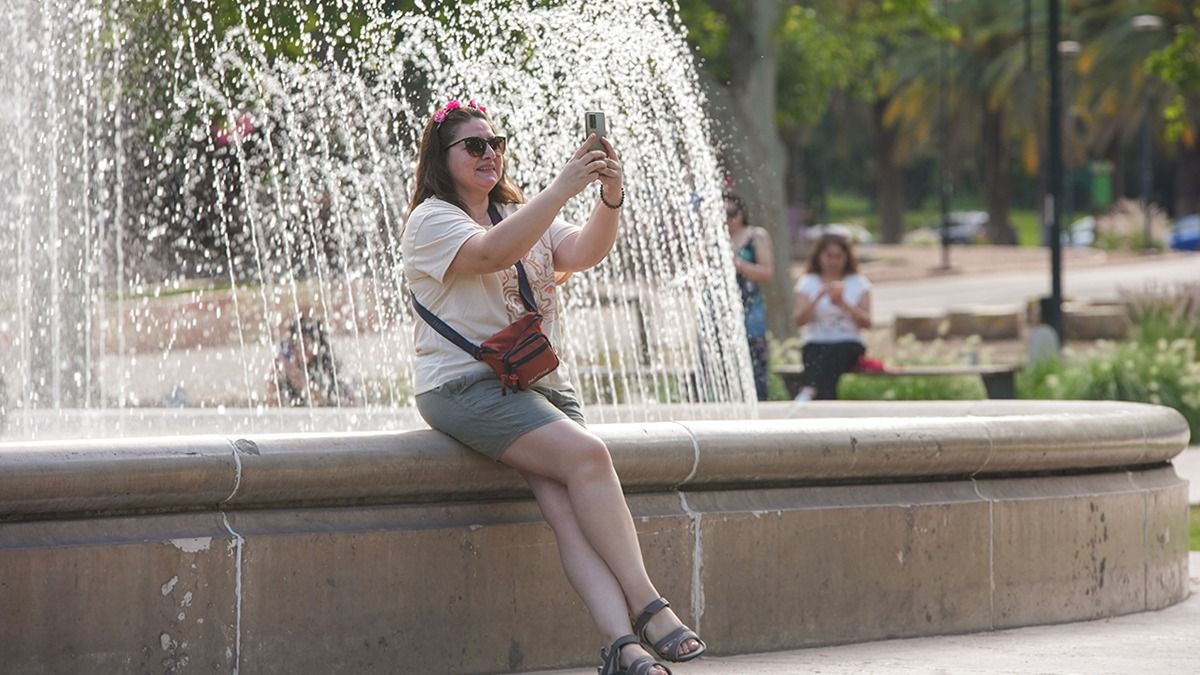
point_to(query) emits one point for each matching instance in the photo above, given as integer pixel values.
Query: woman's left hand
(612, 176)
(836, 293)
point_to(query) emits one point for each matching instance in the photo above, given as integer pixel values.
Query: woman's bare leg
(588, 574)
(594, 520)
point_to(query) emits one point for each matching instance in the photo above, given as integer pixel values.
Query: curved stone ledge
(889, 442)
(378, 553)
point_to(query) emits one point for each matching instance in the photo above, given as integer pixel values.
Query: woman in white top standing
(833, 305)
(468, 227)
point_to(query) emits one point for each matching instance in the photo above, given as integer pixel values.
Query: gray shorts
(473, 410)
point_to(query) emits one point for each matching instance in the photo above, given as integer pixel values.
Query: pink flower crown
(451, 106)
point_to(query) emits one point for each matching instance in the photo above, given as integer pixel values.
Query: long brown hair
(433, 177)
(832, 239)
(740, 204)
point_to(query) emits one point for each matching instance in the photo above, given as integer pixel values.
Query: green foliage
(866, 388)
(708, 32)
(1166, 314)
(828, 46)
(1028, 224)
(1159, 366)
(823, 46)
(1162, 373)
(910, 352)
(1109, 241)
(776, 389)
(847, 207)
(1194, 528)
(1179, 65)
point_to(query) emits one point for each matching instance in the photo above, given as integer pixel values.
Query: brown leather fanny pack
(520, 354)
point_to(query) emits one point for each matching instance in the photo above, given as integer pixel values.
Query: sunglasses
(476, 146)
(732, 213)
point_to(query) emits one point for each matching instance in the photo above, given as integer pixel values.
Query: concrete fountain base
(403, 552)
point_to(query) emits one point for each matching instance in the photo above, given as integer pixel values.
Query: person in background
(468, 226)
(833, 305)
(305, 373)
(754, 264)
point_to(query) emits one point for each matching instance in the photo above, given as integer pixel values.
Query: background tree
(764, 113)
(1178, 65)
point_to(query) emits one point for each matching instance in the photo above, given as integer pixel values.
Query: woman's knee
(592, 456)
(562, 451)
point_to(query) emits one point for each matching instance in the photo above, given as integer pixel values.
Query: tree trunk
(757, 154)
(796, 197)
(996, 178)
(889, 176)
(1187, 181)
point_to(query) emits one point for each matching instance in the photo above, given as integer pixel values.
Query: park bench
(998, 381)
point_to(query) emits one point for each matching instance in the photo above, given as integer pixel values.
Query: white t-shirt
(831, 323)
(475, 305)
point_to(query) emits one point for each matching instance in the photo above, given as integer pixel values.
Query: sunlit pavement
(1003, 288)
(1187, 465)
(1165, 642)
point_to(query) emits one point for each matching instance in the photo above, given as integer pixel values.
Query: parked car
(1185, 234)
(968, 227)
(1081, 232)
(856, 233)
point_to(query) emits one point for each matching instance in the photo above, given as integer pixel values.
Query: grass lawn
(1194, 528)
(851, 208)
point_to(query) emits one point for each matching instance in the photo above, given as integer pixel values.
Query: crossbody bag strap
(454, 336)
(526, 291)
(522, 278)
(444, 329)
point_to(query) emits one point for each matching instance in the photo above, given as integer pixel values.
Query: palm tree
(992, 93)
(1117, 94)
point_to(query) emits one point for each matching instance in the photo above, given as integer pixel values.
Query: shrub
(1164, 373)
(1158, 366)
(908, 352)
(1124, 227)
(1169, 313)
(863, 388)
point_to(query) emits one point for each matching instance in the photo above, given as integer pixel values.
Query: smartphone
(593, 123)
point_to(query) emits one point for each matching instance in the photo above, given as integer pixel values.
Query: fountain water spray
(179, 182)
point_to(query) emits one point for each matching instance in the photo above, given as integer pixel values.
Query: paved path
(1015, 287)
(1187, 465)
(1165, 642)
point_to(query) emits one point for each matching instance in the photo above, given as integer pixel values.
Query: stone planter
(989, 323)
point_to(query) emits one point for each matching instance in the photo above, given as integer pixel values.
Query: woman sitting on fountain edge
(460, 266)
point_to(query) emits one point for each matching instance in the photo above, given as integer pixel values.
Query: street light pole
(1067, 50)
(1147, 23)
(1052, 306)
(943, 158)
(1147, 181)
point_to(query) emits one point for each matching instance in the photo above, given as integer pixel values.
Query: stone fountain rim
(834, 444)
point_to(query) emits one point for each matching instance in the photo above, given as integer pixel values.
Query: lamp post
(1068, 50)
(1145, 23)
(1147, 179)
(943, 158)
(1052, 306)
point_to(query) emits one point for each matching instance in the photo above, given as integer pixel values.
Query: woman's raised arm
(591, 244)
(503, 245)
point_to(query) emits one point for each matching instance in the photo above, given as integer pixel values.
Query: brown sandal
(610, 659)
(668, 647)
